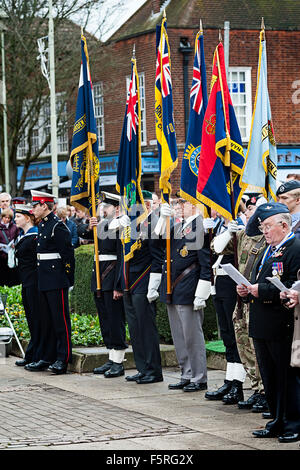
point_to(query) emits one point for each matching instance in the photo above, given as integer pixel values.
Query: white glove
(234, 227)
(220, 242)
(125, 221)
(199, 303)
(165, 210)
(208, 223)
(154, 283)
(203, 289)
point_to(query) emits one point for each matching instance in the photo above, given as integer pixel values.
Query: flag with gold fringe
(222, 156)
(84, 155)
(164, 119)
(198, 104)
(260, 168)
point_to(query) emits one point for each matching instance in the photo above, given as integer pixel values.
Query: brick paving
(41, 414)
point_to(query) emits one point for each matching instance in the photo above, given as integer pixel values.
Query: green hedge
(82, 300)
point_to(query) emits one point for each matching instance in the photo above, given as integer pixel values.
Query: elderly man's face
(289, 200)
(4, 201)
(274, 230)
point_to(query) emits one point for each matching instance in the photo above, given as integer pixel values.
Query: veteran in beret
(289, 194)
(271, 323)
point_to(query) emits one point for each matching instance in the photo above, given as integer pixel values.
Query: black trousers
(56, 325)
(140, 315)
(273, 359)
(112, 320)
(224, 302)
(30, 299)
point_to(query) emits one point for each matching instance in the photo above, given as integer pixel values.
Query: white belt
(106, 257)
(45, 256)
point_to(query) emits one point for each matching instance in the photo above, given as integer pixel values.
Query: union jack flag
(132, 108)
(196, 89)
(163, 62)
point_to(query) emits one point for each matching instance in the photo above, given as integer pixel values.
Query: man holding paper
(271, 324)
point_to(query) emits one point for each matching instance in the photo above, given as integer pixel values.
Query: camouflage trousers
(246, 348)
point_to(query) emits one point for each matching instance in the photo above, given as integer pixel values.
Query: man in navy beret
(271, 324)
(288, 193)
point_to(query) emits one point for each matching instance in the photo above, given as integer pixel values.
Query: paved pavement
(41, 411)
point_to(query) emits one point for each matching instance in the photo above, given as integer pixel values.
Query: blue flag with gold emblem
(164, 120)
(130, 166)
(85, 151)
(222, 156)
(198, 104)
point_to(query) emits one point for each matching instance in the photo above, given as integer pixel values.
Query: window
(99, 113)
(239, 83)
(142, 105)
(42, 129)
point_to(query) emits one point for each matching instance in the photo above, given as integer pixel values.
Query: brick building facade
(283, 52)
(111, 67)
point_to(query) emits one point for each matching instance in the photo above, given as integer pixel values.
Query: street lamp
(3, 16)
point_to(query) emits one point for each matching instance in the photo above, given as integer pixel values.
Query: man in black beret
(288, 193)
(271, 324)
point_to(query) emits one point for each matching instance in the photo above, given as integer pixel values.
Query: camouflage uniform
(241, 325)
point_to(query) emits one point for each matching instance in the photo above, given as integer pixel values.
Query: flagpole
(94, 213)
(227, 157)
(261, 39)
(168, 237)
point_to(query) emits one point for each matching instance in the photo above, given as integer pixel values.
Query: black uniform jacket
(108, 244)
(55, 237)
(184, 253)
(25, 252)
(269, 319)
(147, 258)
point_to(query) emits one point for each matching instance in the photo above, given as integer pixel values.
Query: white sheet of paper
(296, 286)
(235, 274)
(277, 283)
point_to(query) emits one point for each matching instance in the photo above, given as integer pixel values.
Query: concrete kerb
(85, 359)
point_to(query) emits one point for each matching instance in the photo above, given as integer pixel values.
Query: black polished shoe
(248, 404)
(104, 368)
(289, 437)
(149, 379)
(195, 387)
(267, 415)
(22, 363)
(219, 394)
(58, 368)
(116, 370)
(37, 366)
(261, 405)
(235, 394)
(179, 385)
(134, 378)
(264, 433)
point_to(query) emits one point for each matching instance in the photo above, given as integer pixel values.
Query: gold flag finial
(133, 51)
(201, 28)
(81, 30)
(262, 23)
(262, 29)
(220, 36)
(165, 14)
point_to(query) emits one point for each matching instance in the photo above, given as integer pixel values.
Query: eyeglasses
(266, 228)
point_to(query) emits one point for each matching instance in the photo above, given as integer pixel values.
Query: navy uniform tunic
(184, 253)
(110, 312)
(55, 270)
(140, 314)
(25, 252)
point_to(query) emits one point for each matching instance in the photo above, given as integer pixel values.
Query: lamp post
(55, 178)
(3, 16)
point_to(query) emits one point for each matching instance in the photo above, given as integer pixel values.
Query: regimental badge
(192, 154)
(211, 124)
(184, 251)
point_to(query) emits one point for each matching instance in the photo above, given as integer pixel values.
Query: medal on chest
(277, 269)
